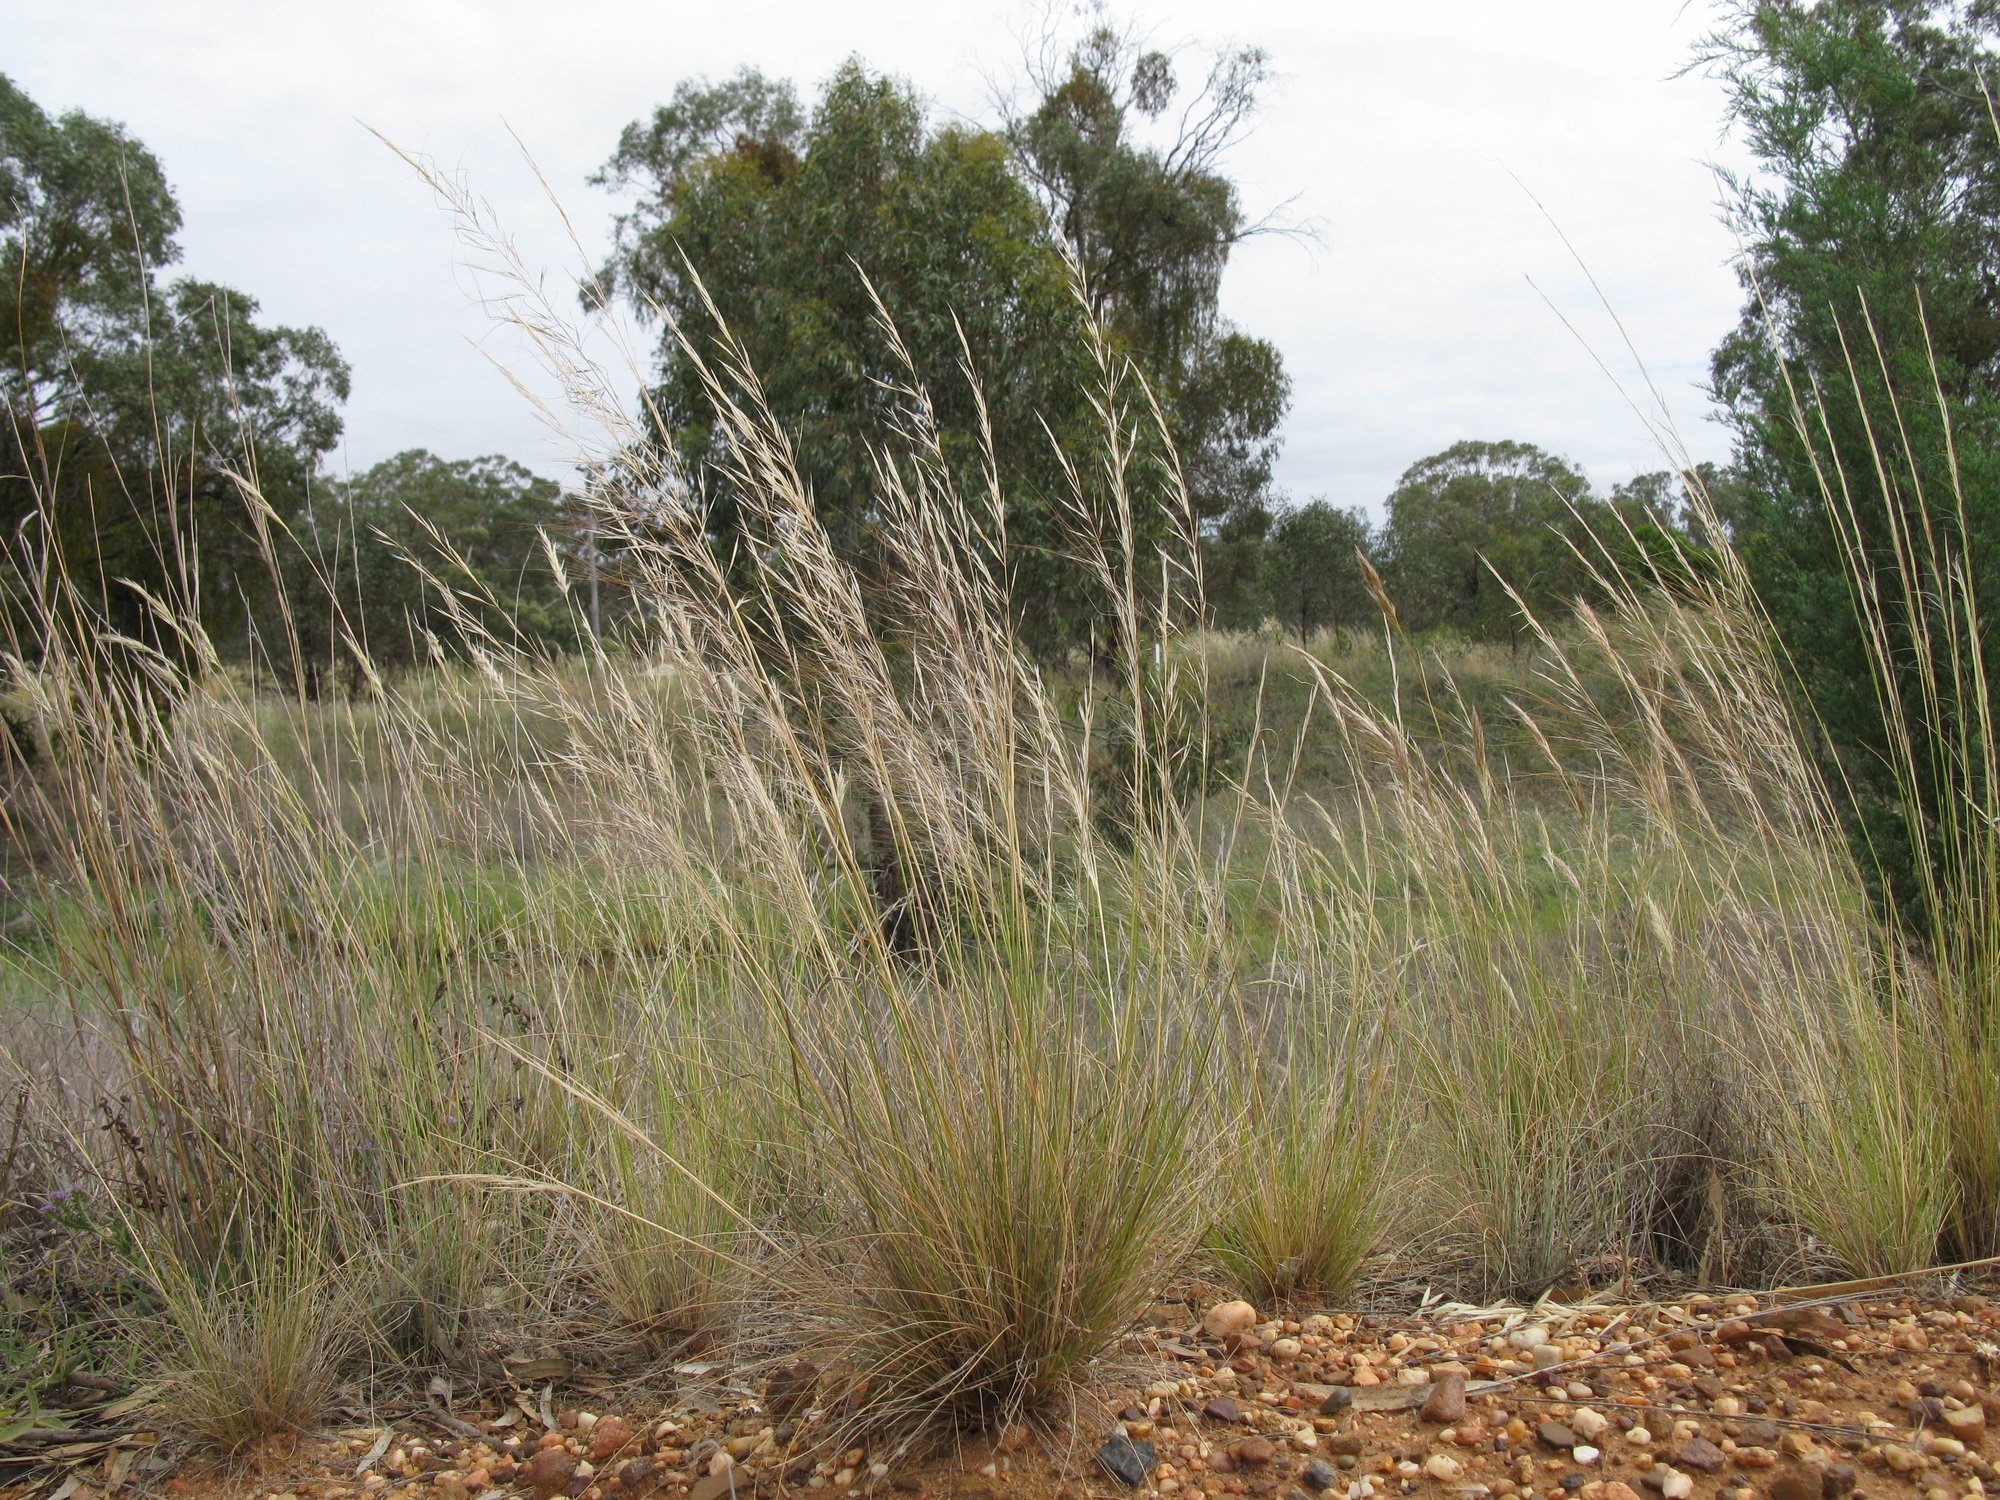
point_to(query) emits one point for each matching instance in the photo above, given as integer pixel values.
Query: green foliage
(1166, 747)
(418, 555)
(1151, 221)
(1459, 518)
(1306, 1221)
(787, 226)
(778, 218)
(1233, 555)
(135, 406)
(1864, 386)
(1869, 346)
(85, 210)
(1314, 580)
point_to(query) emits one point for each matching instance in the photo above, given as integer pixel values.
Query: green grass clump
(1304, 1197)
(256, 1349)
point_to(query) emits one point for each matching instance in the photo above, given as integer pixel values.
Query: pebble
(607, 1436)
(1799, 1482)
(1968, 1423)
(1588, 1423)
(1227, 1318)
(1256, 1424)
(1903, 1460)
(1128, 1460)
(1255, 1450)
(1446, 1402)
(549, 1472)
(1701, 1454)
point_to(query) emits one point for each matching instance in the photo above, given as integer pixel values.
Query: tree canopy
(777, 213)
(1314, 580)
(135, 407)
(1871, 320)
(406, 555)
(1459, 517)
(1151, 220)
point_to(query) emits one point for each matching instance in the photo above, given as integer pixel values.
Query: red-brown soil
(1864, 1392)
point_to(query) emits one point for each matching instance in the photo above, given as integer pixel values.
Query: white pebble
(1676, 1485)
(1583, 1453)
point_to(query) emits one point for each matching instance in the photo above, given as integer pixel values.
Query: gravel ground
(1869, 1392)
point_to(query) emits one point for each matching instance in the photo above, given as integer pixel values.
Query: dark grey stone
(1128, 1461)
(1319, 1475)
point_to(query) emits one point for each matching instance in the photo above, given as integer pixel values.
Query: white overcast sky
(1418, 137)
